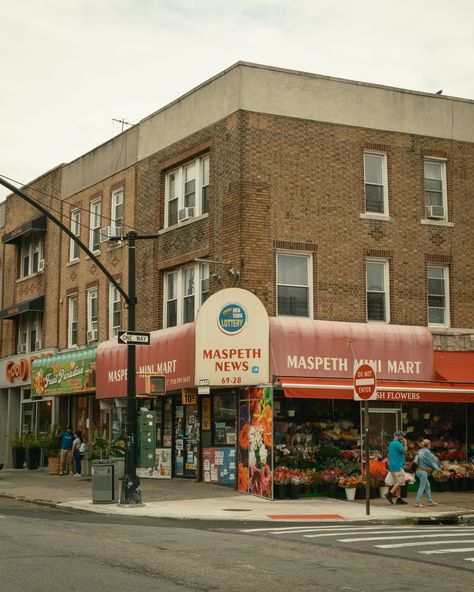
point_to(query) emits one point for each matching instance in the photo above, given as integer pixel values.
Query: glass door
(186, 429)
(383, 423)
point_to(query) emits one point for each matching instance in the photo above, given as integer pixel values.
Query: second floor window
(31, 254)
(435, 190)
(376, 189)
(114, 311)
(293, 285)
(438, 295)
(29, 333)
(117, 208)
(72, 321)
(377, 291)
(92, 319)
(94, 232)
(76, 230)
(187, 191)
(186, 289)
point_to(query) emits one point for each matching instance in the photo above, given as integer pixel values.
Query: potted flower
(350, 483)
(295, 484)
(281, 479)
(18, 451)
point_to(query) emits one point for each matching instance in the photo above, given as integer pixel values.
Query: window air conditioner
(110, 232)
(435, 212)
(92, 336)
(38, 345)
(41, 265)
(185, 214)
(21, 349)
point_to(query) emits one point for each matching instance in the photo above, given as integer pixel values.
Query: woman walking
(78, 452)
(427, 462)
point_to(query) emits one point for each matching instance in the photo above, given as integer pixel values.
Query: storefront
(19, 411)
(68, 379)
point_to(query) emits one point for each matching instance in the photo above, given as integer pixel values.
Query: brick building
(328, 199)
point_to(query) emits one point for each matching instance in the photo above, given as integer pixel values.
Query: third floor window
(76, 230)
(435, 190)
(94, 224)
(187, 191)
(376, 186)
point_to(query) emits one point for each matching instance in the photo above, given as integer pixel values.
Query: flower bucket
(294, 491)
(279, 490)
(350, 493)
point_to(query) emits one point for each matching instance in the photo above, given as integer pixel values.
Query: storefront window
(167, 423)
(225, 417)
(119, 418)
(44, 416)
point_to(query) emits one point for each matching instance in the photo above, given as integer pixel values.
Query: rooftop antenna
(122, 121)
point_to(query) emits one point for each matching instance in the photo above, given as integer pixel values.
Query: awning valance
(387, 390)
(34, 305)
(14, 236)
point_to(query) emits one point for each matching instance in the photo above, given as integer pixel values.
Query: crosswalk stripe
(441, 551)
(403, 534)
(327, 527)
(392, 538)
(468, 558)
(420, 544)
(361, 529)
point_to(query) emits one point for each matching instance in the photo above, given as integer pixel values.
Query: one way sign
(133, 337)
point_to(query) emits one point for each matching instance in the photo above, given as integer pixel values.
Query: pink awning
(306, 348)
(171, 353)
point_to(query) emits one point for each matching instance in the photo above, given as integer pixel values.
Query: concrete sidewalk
(187, 499)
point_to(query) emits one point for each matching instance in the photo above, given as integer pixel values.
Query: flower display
(353, 481)
(441, 476)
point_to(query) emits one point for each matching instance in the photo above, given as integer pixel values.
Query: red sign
(365, 383)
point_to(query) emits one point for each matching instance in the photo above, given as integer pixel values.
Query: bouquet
(441, 476)
(349, 482)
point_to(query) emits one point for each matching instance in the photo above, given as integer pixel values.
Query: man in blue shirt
(396, 462)
(65, 444)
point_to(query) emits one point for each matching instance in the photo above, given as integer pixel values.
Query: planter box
(18, 457)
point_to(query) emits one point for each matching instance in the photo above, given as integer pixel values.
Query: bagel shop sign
(64, 374)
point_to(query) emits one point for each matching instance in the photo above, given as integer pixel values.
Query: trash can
(104, 482)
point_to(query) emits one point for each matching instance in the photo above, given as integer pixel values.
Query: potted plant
(281, 479)
(18, 451)
(350, 484)
(50, 446)
(32, 450)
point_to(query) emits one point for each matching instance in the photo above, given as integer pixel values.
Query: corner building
(333, 202)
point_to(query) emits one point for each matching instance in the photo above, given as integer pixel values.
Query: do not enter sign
(365, 383)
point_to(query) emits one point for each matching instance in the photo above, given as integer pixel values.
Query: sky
(70, 67)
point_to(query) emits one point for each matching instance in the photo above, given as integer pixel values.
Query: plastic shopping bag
(389, 479)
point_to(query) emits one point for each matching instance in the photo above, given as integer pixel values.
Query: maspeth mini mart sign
(232, 339)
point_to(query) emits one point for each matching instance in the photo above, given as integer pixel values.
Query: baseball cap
(399, 433)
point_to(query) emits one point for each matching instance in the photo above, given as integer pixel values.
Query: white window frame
(92, 303)
(94, 224)
(76, 230)
(114, 309)
(201, 276)
(441, 162)
(309, 258)
(201, 186)
(385, 291)
(383, 157)
(29, 332)
(117, 208)
(31, 251)
(447, 319)
(72, 320)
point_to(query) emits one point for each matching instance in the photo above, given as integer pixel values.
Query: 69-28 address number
(231, 380)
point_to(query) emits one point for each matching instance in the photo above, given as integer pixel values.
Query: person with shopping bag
(426, 463)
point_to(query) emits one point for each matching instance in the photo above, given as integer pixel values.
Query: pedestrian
(426, 462)
(396, 462)
(65, 444)
(78, 449)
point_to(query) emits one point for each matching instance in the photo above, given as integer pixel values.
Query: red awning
(454, 366)
(170, 353)
(387, 390)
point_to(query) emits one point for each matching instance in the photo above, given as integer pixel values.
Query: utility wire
(102, 217)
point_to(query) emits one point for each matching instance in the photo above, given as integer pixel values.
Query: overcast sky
(69, 67)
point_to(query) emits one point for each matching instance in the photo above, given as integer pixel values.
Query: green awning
(64, 374)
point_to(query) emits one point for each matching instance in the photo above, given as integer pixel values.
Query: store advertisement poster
(162, 467)
(218, 465)
(256, 443)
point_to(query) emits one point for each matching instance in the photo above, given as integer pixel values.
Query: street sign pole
(365, 382)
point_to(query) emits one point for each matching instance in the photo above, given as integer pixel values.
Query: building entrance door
(186, 441)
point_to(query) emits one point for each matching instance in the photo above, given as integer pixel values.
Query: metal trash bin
(105, 486)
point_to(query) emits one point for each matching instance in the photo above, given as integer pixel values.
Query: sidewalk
(187, 499)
